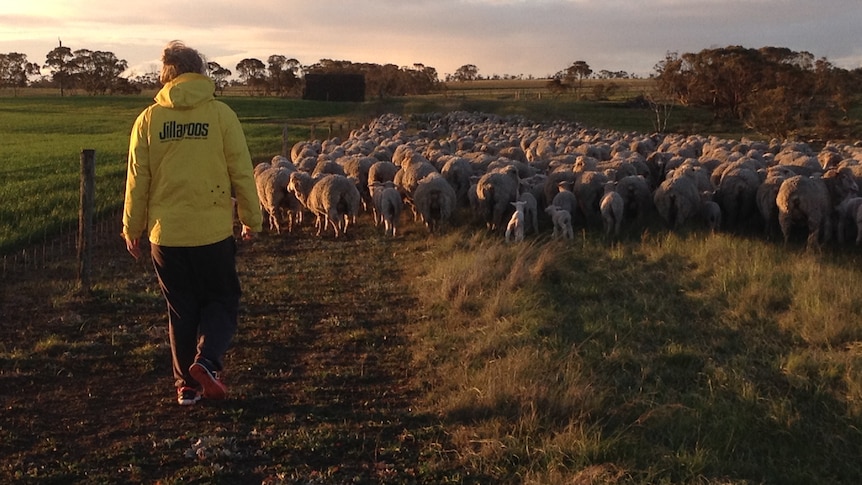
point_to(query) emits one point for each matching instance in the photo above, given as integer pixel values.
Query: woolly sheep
(562, 221)
(434, 199)
(271, 182)
(382, 171)
(711, 212)
(387, 205)
(848, 211)
(637, 197)
(589, 188)
(612, 207)
(811, 200)
(766, 195)
(458, 171)
(515, 227)
(531, 210)
(333, 199)
(677, 200)
(736, 194)
(495, 191)
(565, 198)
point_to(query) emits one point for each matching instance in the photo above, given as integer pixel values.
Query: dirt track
(320, 374)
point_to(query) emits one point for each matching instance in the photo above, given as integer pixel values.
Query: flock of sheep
(516, 176)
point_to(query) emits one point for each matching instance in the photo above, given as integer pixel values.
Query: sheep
(458, 171)
(495, 191)
(637, 197)
(386, 206)
(413, 168)
(333, 199)
(382, 171)
(435, 201)
(562, 221)
(612, 207)
(589, 188)
(531, 209)
(765, 197)
(711, 212)
(565, 198)
(515, 227)
(848, 211)
(677, 200)
(736, 194)
(271, 183)
(811, 200)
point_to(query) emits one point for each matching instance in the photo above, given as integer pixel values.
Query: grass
(661, 358)
(676, 359)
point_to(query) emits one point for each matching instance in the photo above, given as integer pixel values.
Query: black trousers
(202, 291)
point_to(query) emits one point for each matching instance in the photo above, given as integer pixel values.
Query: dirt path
(320, 375)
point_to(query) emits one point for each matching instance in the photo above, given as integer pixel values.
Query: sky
(500, 37)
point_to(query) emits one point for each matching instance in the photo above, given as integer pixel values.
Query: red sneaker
(213, 387)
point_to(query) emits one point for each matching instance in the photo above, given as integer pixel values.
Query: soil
(320, 374)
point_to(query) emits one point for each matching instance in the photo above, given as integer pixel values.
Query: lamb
(811, 200)
(435, 201)
(333, 199)
(386, 206)
(515, 228)
(562, 220)
(711, 212)
(612, 207)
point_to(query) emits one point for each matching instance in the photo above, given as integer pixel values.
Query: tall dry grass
(675, 358)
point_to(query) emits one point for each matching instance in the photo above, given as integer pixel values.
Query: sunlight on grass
(660, 361)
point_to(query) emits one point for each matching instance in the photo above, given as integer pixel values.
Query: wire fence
(63, 247)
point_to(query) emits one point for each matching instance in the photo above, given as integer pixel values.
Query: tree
(467, 72)
(15, 70)
(576, 73)
(773, 90)
(251, 72)
(282, 73)
(219, 75)
(61, 62)
(98, 72)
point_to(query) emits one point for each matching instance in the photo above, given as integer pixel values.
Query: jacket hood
(186, 91)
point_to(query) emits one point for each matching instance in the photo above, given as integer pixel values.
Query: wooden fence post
(85, 216)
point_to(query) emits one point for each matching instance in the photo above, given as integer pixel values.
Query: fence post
(85, 216)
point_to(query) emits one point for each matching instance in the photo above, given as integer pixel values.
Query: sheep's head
(843, 182)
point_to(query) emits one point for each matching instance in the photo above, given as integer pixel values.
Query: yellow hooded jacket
(187, 158)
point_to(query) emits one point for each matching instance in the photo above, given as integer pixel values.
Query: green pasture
(42, 140)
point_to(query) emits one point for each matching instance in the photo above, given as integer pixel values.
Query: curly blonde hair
(178, 58)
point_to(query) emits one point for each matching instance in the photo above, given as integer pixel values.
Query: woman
(188, 162)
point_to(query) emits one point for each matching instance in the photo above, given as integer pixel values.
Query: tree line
(774, 91)
(99, 72)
